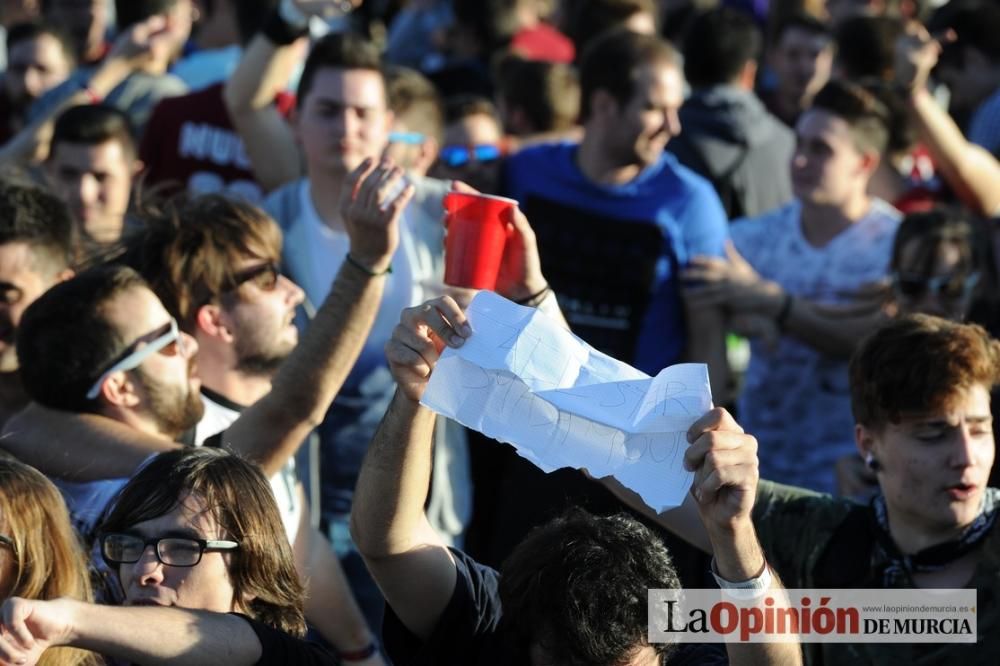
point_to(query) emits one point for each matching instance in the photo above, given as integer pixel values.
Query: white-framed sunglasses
(137, 356)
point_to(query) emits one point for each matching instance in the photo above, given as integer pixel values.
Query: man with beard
(213, 262)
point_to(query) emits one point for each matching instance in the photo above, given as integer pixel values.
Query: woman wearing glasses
(198, 530)
(39, 554)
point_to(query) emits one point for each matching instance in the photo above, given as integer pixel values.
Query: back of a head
(866, 47)
(585, 20)
(130, 12)
(718, 45)
(919, 364)
(547, 93)
(189, 251)
(613, 63)
(577, 588)
(801, 21)
(94, 124)
(930, 229)
(338, 50)
(49, 562)
(493, 22)
(415, 102)
(241, 501)
(22, 32)
(251, 16)
(65, 341)
(861, 110)
(36, 217)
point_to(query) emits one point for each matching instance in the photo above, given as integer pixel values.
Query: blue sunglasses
(456, 156)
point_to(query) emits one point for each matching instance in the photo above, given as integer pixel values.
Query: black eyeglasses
(172, 551)
(264, 277)
(947, 286)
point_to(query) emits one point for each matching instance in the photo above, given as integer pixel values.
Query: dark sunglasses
(946, 286)
(264, 277)
(456, 156)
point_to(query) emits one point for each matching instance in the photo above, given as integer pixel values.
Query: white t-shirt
(219, 415)
(796, 401)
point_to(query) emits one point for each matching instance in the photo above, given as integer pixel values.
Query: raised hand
(417, 341)
(370, 207)
(28, 627)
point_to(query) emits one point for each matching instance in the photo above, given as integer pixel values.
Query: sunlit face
(34, 66)
(946, 291)
(827, 167)
(343, 119)
(205, 586)
(640, 130)
(23, 278)
(802, 61)
(934, 467)
(261, 318)
(96, 182)
(167, 390)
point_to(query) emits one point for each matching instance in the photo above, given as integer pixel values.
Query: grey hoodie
(730, 138)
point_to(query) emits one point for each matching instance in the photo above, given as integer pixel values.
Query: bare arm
(78, 447)
(706, 343)
(140, 635)
(414, 570)
(271, 430)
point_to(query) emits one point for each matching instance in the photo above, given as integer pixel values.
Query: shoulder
(748, 229)
(283, 204)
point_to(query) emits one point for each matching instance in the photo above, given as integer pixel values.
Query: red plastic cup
(477, 233)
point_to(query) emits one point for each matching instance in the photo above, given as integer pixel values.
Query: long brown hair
(48, 560)
(240, 499)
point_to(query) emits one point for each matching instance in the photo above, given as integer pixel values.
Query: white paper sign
(523, 379)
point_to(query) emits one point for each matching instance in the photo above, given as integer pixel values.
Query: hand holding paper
(521, 378)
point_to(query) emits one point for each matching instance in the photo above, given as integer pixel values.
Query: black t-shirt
(277, 647)
(467, 633)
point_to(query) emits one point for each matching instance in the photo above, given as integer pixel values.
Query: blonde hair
(48, 560)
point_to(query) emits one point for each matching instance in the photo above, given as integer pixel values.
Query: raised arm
(414, 570)
(140, 635)
(271, 430)
(264, 71)
(78, 447)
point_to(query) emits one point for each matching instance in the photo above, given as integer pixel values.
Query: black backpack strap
(847, 560)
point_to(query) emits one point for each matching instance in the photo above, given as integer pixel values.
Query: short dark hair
(251, 15)
(22, 32)
(240, 500)
(40, 219)
(548, 93)
(866, 46)
(612, 63)
(65, 342)
(718, 45)
(462, 106)
(577, 588)
(933, 228)
(93, 124)
(415, 101)
(867, 117)
(917, 364)
(803, 21)
(130, 12)
(585, 20)
(493, 22)
(339, 50)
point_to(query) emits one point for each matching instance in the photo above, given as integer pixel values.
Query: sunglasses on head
(946, 286)
(456, 156)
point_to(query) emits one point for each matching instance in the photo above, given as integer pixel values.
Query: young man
(801, 56)
(573, 592)
(39, 57)
(828, 243)
(36, 251)
(194, 543)
(920, 393)
(92, 164)
(729, 136)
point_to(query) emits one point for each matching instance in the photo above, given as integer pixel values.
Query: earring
(871, 463)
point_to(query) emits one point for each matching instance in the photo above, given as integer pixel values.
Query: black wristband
(536, 298)
(786, 309)
(278, 32)
(364, 269)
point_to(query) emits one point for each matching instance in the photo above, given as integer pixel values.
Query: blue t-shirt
(613, 253)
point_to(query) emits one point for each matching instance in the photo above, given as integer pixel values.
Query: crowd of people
(222, 297)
